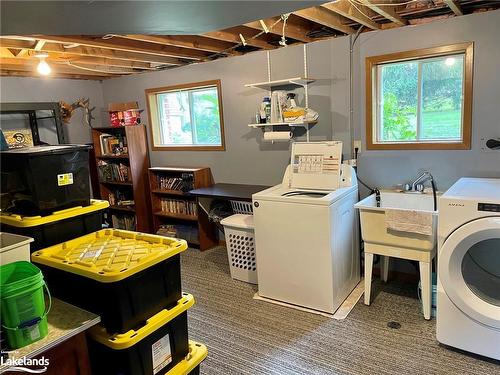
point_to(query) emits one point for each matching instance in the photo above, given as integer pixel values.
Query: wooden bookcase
(204, 236)
(137, 159)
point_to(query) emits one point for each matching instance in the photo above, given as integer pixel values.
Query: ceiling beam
(91, 51)
(39, 45)
(188, 41)
(111, 62)
(293, 29)
(128, 46)
(358, 13)
(325, 17)
(61, 66)
(59, 57)
(385, 11)
(455, 7)
(233, 36)
(16, 73)
(56, 69)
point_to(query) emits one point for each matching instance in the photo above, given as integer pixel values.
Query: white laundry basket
(240, 243)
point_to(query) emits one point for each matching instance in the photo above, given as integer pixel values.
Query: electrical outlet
(357, 145)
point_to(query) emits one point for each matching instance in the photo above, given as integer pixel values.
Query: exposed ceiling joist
(56, 69)
(357, 13)
(455, 7)
(61, 57)
(39, 45)
(112, 62)
(66, 66)
(325, 17)
(92, 51)
(386, 11)
(12, 52)
(233, 36)
(16, 73)
(100, 57)
(126, 45)
(188, 41)
(293, 29)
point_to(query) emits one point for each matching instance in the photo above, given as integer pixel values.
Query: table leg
(368, 276)
(384, 268)
(426, 283)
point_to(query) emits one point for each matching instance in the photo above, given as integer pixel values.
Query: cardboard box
(124, 114)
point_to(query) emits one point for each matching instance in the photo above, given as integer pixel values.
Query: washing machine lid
(282, 193)
(469, 270)
(316, 165)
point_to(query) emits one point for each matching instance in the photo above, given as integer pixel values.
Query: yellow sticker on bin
(109, 255)
(19, 221)
(125, 340)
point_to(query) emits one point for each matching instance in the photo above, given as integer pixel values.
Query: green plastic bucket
(23, 311)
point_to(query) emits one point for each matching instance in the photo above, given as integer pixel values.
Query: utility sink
(373, 220)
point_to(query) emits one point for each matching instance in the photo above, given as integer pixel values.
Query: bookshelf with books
(175, 212)
(122, 162)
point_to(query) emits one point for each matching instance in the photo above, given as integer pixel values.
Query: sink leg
(426, 282)
(368, 276)
(384, 268)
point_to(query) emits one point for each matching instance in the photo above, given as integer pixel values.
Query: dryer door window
(481, 270)
(469, 270)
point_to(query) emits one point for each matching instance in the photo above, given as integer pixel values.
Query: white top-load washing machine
(305, 229)
(468, 302)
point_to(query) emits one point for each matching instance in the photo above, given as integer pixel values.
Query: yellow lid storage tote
(58, 226)
(153, 348)
(125, 277)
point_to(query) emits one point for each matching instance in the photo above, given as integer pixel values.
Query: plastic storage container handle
(34, 321)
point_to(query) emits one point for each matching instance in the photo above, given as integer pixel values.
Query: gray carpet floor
(245, 336)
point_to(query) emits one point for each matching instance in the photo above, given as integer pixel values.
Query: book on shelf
(126, 222)
(185, 232)
(183, 183)
(179, 207)
(120, 198)
(109, 172)
(113, 145)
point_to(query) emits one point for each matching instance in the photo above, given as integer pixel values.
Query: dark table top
(240, 192)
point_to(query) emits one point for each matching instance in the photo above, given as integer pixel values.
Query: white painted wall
(20, 89)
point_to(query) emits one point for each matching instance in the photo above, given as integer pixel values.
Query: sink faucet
(417, 184)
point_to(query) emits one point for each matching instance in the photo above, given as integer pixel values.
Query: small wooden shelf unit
(204, 234)
(137, 159)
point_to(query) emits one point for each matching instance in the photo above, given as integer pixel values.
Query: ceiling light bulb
(43, 68)
(450, 61)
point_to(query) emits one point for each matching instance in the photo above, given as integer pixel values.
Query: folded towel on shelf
(308, 115)
(409, 221)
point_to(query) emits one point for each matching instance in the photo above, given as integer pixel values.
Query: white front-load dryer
(468, 301)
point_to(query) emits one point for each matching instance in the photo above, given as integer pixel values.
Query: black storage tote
(42, 179)
(154, 348)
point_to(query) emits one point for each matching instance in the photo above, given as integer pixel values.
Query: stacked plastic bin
(133, 281)
(46, 194)
(45, 197)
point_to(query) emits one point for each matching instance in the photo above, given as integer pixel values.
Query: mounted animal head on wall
(68, 109)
